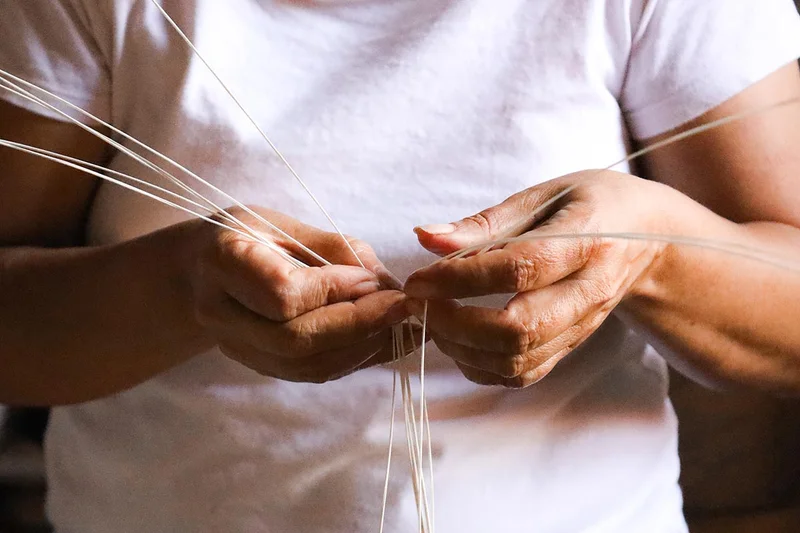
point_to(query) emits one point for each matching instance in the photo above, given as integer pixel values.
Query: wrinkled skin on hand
(308, 325)
(564, 288)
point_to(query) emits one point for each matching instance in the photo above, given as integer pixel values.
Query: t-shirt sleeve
(689, 56)
(50, 43)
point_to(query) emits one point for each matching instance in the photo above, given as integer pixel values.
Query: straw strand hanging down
(415, 443)
(729, 248)
(419, 483)
(397, 350)
(415, 435)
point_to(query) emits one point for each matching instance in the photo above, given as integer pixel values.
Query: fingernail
(367, 287)
(397, 313)
(436, 229)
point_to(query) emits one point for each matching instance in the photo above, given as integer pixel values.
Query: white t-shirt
(397, 113)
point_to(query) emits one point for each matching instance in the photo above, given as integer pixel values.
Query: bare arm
(717, 317)
(78, 322)
(720, 318)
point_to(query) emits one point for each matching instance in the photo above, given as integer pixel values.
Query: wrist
(171, 257)
(682, 227)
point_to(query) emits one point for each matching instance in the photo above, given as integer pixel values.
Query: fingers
(493, 363)
(334, 326)
(342, 250)
(412, 338)
(565, 284)
(517, 267)
(323, 366)
(337, 249)
(529, 319)
(514, 216)
(539, 362)
(525, 379)
(265, 283)
(319, 368)
(519, 339)
(476, 327)
(329, 245)
(305, 324)
(340, 325)
(281, 295)
(337, 252)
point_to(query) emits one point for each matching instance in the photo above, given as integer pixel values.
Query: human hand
(309, 324)
(564, 287)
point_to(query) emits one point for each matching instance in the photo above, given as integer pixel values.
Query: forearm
(81, 323)
(721, 318)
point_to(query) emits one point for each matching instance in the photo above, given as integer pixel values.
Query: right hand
(309, 324)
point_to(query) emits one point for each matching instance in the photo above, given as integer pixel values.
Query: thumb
(444, 239)
(511, 218)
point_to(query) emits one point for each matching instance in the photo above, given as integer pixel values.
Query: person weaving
(199, 384)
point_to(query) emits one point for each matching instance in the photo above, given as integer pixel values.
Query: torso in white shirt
(396, 113)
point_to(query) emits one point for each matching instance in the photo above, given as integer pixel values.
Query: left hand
(565, 287)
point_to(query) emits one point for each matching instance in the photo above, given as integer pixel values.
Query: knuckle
(298, 340)
(585, 222)
(230, 249)
(540, 371)
(363, 251)
(519, 337)
(484, 221)
(358, 245)
(534, 376)
(522, 273)
(528, 377)
(332, 290)
(285, 300)
(513, 366)
(601, 290)
(589, 248)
